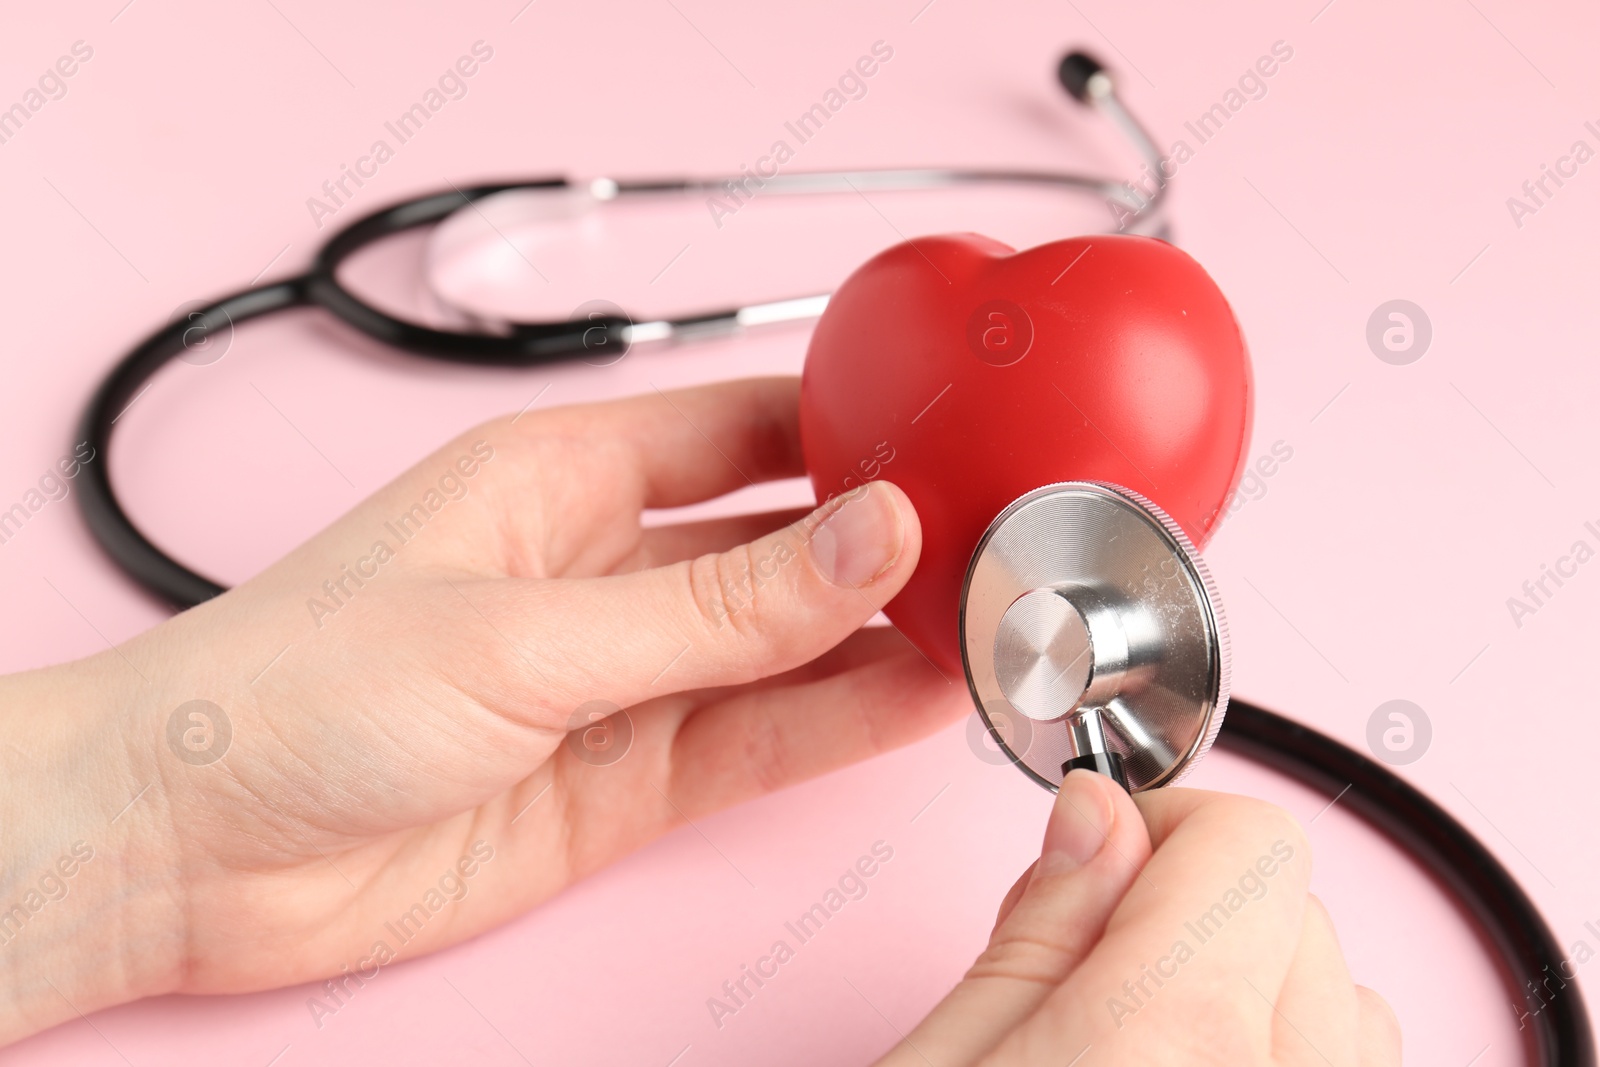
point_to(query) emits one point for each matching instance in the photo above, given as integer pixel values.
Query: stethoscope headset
(1530, 955)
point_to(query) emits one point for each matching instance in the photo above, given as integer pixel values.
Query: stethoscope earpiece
(1093, 636)
(1077, 72)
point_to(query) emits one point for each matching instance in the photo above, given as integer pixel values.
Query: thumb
(1094, 847)
(732, 617)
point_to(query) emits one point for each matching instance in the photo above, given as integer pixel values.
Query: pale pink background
(1377, 167)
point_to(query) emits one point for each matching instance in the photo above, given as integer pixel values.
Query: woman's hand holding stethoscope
(1170, 928)
(414, 702)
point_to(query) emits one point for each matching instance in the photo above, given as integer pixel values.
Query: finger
(879, 696)
(662, 449)
(1165, 810)
(720, 619)
(1094, 845)
(867, 645)
(548, 488)
(682, 446)
(766, 739)
(661, 545)
(695, 444)
(1380, 1030)
(1202, 941)
(1013, 895)
(1316, 1017)
(649, 735)
(560, 490)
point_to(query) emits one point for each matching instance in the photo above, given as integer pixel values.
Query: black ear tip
(1076, 69)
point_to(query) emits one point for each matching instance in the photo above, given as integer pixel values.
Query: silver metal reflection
(1087, 611)
(1137, 203)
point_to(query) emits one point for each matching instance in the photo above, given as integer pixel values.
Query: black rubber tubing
(522, 345)
(1558, 1033)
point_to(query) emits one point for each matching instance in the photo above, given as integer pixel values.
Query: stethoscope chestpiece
(1092, 636)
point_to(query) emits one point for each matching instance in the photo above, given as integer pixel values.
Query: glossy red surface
(968, 374)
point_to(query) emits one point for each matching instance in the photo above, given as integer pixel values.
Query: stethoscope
(1027, 645)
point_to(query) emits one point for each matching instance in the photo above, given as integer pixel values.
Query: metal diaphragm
(1089, 623)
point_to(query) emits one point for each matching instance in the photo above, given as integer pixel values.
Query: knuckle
(1024, 958)
(1287, 828)
(725, 593)
(1269, 823)
(746, 592)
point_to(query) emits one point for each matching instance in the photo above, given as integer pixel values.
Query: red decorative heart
(968, 374)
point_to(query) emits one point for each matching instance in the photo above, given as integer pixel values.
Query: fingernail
(860, 538)
(1079, 823)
